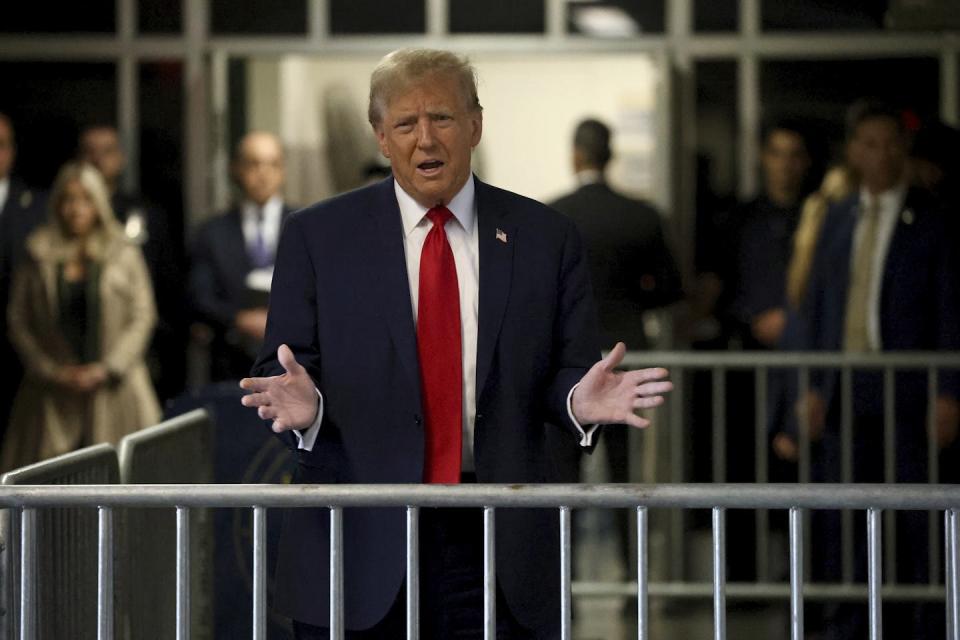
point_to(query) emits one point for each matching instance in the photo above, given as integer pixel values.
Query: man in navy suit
(882, 280)
(357, 381)
(233, 255)
(21, 210)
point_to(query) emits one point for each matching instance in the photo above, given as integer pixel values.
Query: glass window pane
(372, 16)
(497, 16)
(53, 101)
(818, 15)
(819, 92)
(716, 15)
(257, 17)
(615, 18)
(94, 16)
(159, 16)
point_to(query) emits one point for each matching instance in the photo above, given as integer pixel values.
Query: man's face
(101, 148)
(878, 152)
(7, 149)
(259, 167)
(785, 161)
(427, 133)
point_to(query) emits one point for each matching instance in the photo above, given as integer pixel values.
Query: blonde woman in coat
(81, 315)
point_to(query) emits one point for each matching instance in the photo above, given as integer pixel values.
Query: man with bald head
(432, 328)
(233, 256)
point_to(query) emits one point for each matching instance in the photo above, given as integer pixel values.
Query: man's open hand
(607, 396)
(290, 399)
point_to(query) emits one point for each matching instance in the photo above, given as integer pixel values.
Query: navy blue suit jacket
(918, 306)
(341, 301)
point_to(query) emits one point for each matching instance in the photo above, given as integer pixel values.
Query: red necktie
(438, 346)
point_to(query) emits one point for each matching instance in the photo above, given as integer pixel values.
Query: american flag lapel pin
(502, 236)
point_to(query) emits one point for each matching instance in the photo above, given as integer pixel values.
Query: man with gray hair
(432, 328)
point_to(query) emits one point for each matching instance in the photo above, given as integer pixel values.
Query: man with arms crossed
(432, 328)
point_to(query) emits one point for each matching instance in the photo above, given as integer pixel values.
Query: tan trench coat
(46, 419)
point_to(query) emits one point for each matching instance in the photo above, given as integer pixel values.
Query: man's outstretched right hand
(290, 399)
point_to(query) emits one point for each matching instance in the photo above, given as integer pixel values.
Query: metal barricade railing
(179, 450)
(675, 422)
(78, 549)
(873, 500)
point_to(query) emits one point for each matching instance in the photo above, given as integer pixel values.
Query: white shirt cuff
(306, 437)
(586, 434)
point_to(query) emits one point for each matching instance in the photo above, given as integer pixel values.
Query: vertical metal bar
(796, 573)
(719, 574)
(846, 470)
(437, 19)
(413, 573)
(677, 452)
(948, 575)
(949, 91)
(933, 472)
(489, 575)
(318, 23)
(105, 574)
(259, 573)
(889, 472)
(760, 444)
(803, 472)
(718, 379)
(874, 573)
(195, 115)
(183, 573)
(555, 19)
(643, 576)
(336, 573)
(566, 616)
(128, 120)
(954, 603)
(28, 573)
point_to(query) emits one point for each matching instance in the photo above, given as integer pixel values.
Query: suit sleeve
(575, 333)
(293, 309)
(205, 292)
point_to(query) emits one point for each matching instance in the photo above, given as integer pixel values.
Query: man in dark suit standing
(432, 328)
(632, 269)
(21, 209)
(882, 280)
(233, 256)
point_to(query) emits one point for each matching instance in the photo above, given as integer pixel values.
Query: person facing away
(233, 256)
(21, 210)
(432, 328)
(81, 314)
(146, 225)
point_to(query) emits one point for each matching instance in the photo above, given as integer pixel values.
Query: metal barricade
(870, 500)
(77, 551)
(179, 450)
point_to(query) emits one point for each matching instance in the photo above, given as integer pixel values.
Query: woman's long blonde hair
(837, 184)
(104, 234)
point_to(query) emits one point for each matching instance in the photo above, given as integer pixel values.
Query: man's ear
(477, 124)
(382, 140)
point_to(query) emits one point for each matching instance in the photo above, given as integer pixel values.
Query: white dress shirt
(269, 225)
(462, 235)
(890, 204)
(4, 192)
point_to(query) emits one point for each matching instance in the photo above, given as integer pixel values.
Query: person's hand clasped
(608, 396)
(290, 399)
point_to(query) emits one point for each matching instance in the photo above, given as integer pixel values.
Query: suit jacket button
(417, 419)
(479, 417)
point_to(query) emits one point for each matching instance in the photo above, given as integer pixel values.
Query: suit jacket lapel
(389, 272)
(237, 245)
(497, 238)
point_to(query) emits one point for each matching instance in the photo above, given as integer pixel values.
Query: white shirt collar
(890, 200)
(4, 191)
(272, 209)
(462, 206)
(589, 176)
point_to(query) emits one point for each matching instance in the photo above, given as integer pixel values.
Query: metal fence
(873, 500)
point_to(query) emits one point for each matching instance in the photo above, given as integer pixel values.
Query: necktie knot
(439, 216)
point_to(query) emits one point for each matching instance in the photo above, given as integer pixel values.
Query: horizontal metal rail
(793, 359)
(760, 591)
(901, 497)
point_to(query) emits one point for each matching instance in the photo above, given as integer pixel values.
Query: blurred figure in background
(21, 209)
(81, 315)
(882, 280)
(146, 225)
(631, 268)
(766, 226)
(233, 256)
